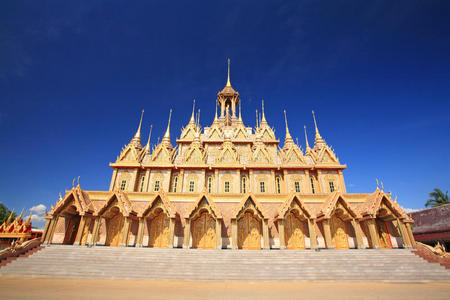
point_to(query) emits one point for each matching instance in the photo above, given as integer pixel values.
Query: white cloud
(410, 210)
(37, 215)
(38, 209)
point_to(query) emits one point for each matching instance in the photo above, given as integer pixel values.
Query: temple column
(113, 179)
(187, 234)
(312, 233)
(251, 184)
(327, 233)
(94, 238)
(266, 234)
(410, 235)
(126, 229)
(216, 180)
(140, 232)
(373, 233)
(171, 232)
(80, 231)
(286, 182)
(181, 180)
(273, 184)
(281, 234)
(146, 180)
(234, 234)
(308, 188)
(218, 234)
(357, 229)
(405, 236)
(44, 234)
(52, 230)
(342, 187)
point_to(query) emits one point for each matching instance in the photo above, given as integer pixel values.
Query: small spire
(138, 132)
(240, 117)
(263, 120)
(315, 124)
(215, 117)
(198, 118)
(319, 141)
(147, 146)
(257, 125)
(166, 138)
(228, 80)
(287, 128)
(193, 112)
(306, 138)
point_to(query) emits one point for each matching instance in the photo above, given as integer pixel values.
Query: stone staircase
(393, 265)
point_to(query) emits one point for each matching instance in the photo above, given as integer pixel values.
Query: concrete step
(393, 265)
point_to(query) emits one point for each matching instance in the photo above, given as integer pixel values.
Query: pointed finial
(240, 117)
(228, 80)
(263, 115)
(198, 118)
(306, 138)
(138, 132)
(73, 183)
(166, 137)
(285, 121)
(20, 216)
(315, 123)
(193, 112)
(257, 125)
(319, 141)
(147, 146)
(215, 116)
(395, 199)
(78, 180)
(382, 187)
(377, 184)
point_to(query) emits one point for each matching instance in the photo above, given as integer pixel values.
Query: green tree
(437, 198)
(4, 213)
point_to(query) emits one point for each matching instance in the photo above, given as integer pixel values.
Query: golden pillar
(52, 230)
(218, 234)
(187, 234)
(234, 234)
(94, 237)
(410, 235)
(126, 229)
(312, 233)
(44, 234)
(281, 234)
(373, 233)
(80, 231)
(266, 234)
(113, 180)
(405, 236)
(140, 233)
(171, 232)
(358, 234)
(327, 233)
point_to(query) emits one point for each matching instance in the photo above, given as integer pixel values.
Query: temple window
(123, 185)
(331, 186)
(244, 185)
(312, 186)
(191, 186)
(227, 187)
(262, 187)
(156, 186)
(278, 185)
(209, 184)
(175, 184)
(297, 186)
(141, 189)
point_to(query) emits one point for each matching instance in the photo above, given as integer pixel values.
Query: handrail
(19, 249)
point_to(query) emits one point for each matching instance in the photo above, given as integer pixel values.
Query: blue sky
(75, 75)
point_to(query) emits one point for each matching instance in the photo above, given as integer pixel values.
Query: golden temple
(228, 185)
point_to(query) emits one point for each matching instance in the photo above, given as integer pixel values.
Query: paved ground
(48, 288)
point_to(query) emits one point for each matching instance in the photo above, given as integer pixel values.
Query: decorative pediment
(336, 203)
(293, 204)
(379, 202)
(118, 199)
(249, 203)
(227, 153)
(129, 153)
(188, 133)
(240, 133)
(163, 154)
(260, 155)
(202, 204)
(75, 198)
(326, 155)
(293, 155)
(159, 202)
(267, 133)
(215, 133)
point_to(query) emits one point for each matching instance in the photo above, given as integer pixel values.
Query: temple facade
(228, 185)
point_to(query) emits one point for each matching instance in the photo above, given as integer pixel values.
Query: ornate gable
(249, 203)
(380, 201)
(77, 198)
(203, 203)
(215, 133)
(293, 155)
(291, 204)
(163, 154)
(120, 200)
(336, 202)
(240, 133)
(227, 153)
(160, 201)
(326, 155)
(129, 153)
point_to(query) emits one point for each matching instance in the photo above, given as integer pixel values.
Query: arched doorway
(204, 231)
(114, 227)
(158, 229)
(295, 231)
(249, 231)
(384, 238)
(338, 232)
(72, 224)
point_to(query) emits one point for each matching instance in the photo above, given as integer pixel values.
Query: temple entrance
(249, 232)
(204, 232)
(85, 233)
(338, 233)
(115, 230)
(158, 231)
(72, 223)
(295, 232)
(383, 234)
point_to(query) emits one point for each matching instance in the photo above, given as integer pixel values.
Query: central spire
(166, 138)
(319, 141)
(228, 80)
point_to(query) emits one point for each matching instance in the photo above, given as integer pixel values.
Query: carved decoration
(158, 230)
(295, 231)
(249, 231)
(114, 230)
(204, 231)
(383, 234)
(338, 233)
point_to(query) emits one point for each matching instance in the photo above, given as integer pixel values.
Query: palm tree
(437, 198)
